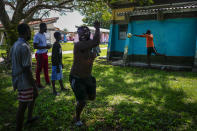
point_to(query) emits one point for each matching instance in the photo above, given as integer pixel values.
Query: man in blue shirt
(40, 44)
(22, 78)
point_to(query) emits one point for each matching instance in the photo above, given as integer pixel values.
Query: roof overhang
(165, 9)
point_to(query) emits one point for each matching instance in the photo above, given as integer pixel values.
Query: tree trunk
(11, 37)
(10, 29)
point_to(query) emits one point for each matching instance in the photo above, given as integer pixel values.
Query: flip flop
(79, 123)
(32, 120)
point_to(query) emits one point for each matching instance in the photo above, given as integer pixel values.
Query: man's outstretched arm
(140, 35)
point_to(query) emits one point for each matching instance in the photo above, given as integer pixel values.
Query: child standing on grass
(22, 76)
(57, 63)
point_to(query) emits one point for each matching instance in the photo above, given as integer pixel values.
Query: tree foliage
(100, 10)
(92, 11)
(65, 30)
(26, 11)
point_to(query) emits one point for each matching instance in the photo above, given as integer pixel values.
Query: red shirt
(149, 40)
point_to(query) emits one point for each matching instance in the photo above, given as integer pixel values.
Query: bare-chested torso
(83, 61)
(83, 57)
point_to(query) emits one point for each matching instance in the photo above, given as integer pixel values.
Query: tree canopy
(100, 10)
(95, 11)
(65, 30)
(26, 11)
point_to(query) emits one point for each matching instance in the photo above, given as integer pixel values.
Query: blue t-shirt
(40, 39)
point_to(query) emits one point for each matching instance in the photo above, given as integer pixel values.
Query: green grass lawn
(69, 46)
(2, 50)
(127, 99)
(103, 45)
(65, 47)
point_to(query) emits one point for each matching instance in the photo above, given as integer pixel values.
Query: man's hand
(48, 46)
(96, 24)
(58, 69)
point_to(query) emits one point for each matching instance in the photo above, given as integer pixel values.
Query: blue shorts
(55, 75)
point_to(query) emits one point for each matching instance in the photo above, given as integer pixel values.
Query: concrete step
(155, 66)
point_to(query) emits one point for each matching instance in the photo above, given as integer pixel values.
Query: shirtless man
(82, 82)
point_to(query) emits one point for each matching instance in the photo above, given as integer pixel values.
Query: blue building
(173, 25)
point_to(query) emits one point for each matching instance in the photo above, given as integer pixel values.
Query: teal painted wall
(173, 37)
(117, 45)
(111, 36)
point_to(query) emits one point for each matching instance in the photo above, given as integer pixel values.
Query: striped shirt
(20, 58)
(25, 95)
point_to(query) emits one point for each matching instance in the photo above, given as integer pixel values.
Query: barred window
(123, 31)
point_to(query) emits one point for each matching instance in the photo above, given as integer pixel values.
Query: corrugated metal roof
(167, 8)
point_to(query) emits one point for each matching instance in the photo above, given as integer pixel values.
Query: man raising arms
(82, 82)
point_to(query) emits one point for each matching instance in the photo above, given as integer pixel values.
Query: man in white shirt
(40, 44)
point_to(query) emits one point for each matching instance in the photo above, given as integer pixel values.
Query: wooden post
(125, 55)
(126, 48)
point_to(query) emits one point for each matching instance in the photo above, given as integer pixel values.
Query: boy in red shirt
(150, 45)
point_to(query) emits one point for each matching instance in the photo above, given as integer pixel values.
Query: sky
(68, 21)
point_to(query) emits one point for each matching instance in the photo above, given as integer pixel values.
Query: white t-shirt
(40, 39)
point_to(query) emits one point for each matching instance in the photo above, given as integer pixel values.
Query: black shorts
(83, 88)
(151, 50)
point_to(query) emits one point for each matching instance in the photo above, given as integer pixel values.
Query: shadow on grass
(8, 103)
(141, 99)
(127, 99)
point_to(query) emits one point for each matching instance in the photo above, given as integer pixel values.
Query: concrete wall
(172, 37)
(116, 44)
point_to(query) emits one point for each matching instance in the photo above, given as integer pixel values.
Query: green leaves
(141, 2)
(100, 10)
(95, 11)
